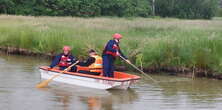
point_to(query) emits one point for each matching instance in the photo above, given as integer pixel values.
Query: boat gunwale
(95, 77)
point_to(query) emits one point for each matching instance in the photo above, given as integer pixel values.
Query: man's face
(91, 54)
(117, 40)
(66, 52)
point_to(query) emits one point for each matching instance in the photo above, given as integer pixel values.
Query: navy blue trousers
(108, 65)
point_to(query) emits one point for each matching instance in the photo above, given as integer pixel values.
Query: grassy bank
(153, 42)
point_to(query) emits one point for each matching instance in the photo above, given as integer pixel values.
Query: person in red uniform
(93, 64)
(110, 52)
(64, 59)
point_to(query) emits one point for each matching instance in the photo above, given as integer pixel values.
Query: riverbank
(177, 71)
(177, 46)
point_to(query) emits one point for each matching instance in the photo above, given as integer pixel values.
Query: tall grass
(152, 42)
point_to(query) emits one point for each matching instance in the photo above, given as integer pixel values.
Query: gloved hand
(128, 61)
(117, 53)
(77, 61)
(49, 68)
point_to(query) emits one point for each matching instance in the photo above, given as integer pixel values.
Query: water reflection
(90, 99)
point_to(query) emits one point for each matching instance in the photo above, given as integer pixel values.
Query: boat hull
(90, 81)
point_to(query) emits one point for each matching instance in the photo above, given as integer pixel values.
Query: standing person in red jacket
(110, 52)
(64, 59)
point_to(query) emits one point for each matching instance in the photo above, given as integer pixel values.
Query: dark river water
(20, 74)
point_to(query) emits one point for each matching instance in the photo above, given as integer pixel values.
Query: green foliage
(83, 8)
(219, 12)
(191, 9)
(125, 8)
(6, 6)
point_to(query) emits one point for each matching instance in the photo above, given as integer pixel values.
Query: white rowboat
(121, 80)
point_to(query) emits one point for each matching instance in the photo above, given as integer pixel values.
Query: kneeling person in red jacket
(64, 60)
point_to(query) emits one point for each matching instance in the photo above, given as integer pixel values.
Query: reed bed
(150, 42)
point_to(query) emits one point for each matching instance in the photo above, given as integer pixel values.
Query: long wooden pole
(139, 70)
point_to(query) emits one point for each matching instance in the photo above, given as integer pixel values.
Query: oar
(46, 82)
(139, 70)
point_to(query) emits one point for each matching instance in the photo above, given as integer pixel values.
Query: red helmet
(66, 48)
(117, 36)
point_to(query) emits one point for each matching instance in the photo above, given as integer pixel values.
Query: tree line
(191, 9)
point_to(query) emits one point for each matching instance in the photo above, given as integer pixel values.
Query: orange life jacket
(97, 65)
(65, 61)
